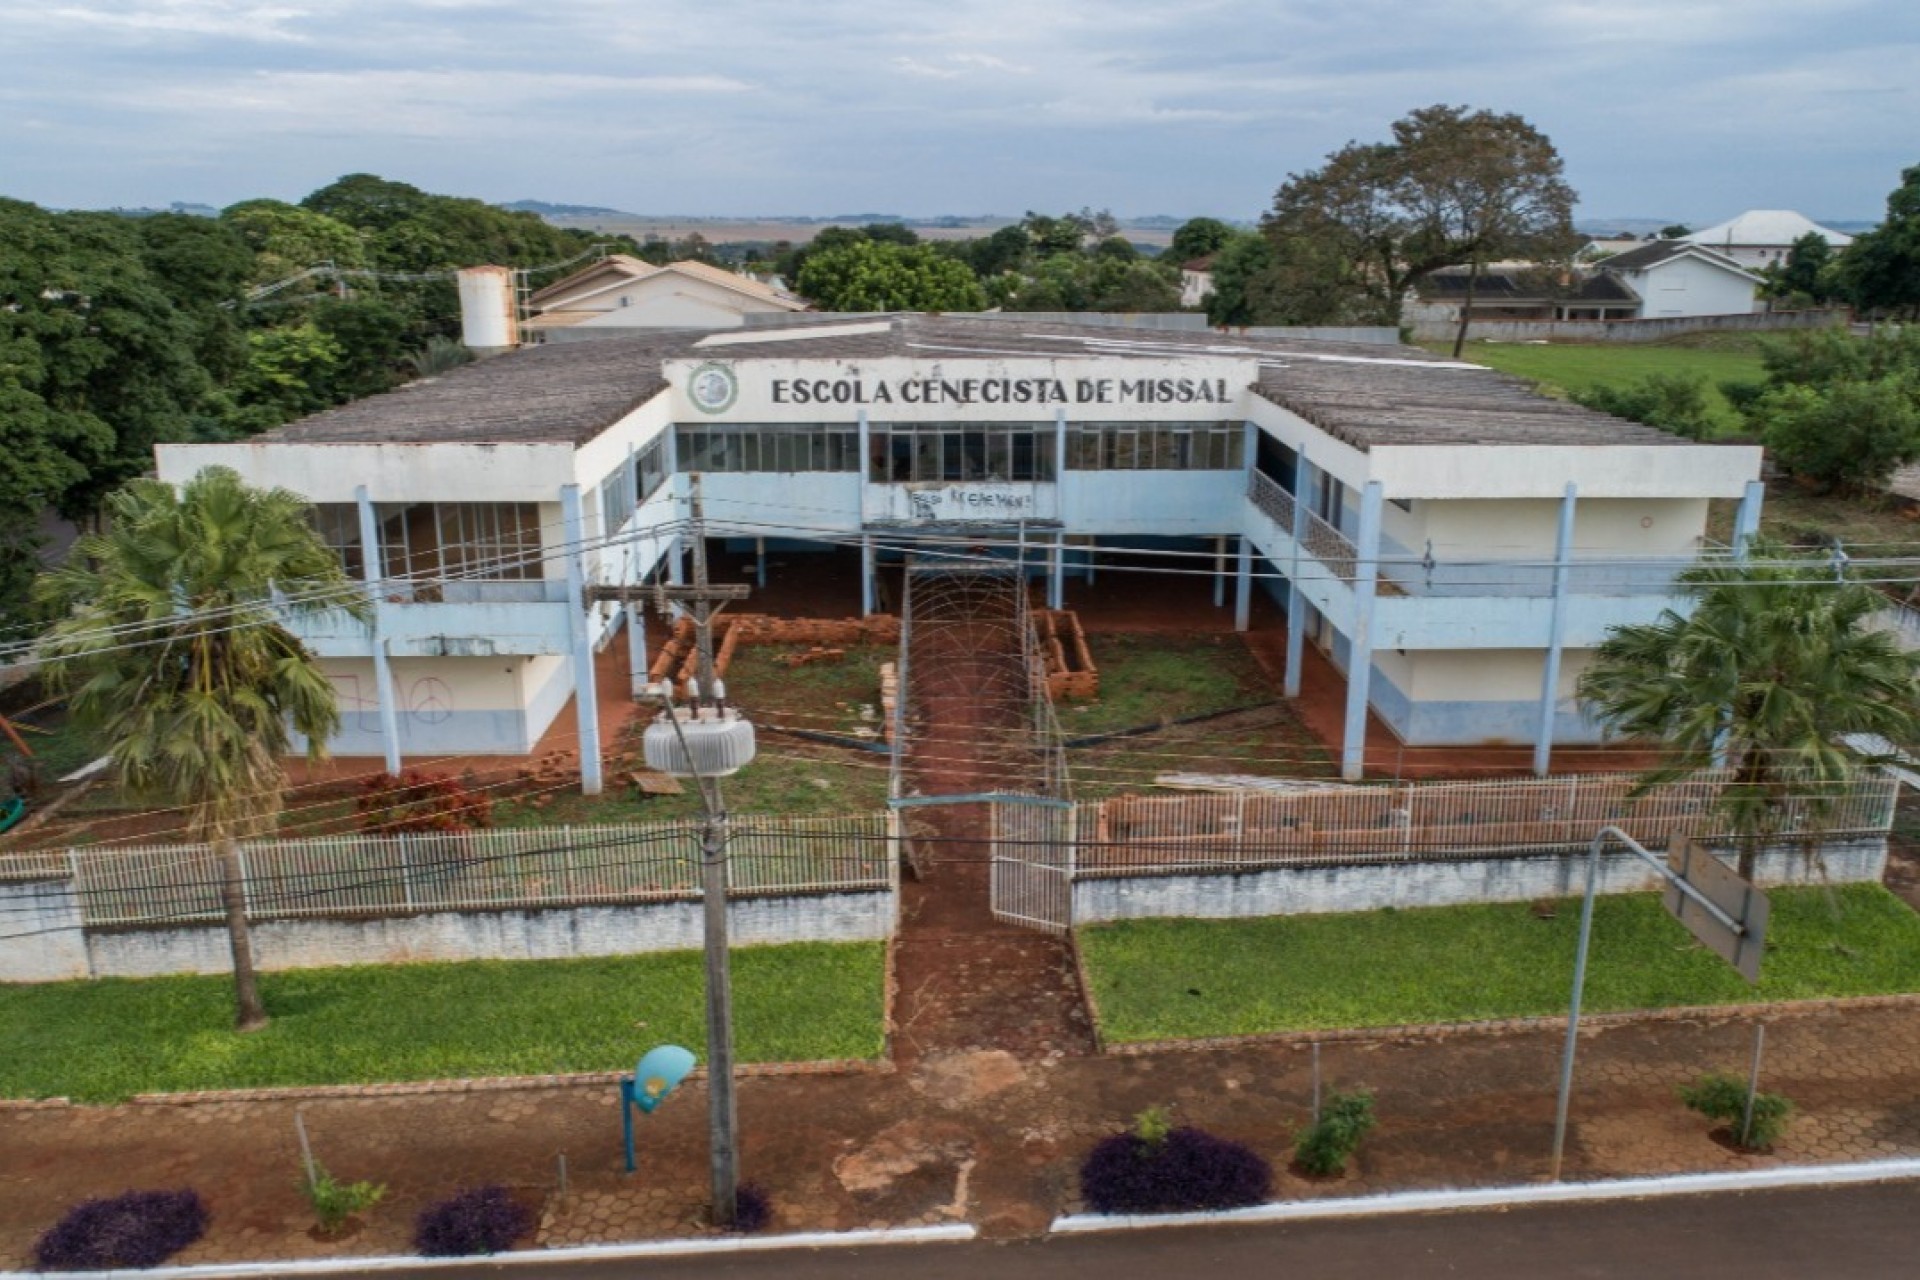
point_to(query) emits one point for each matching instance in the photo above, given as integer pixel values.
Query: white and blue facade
(1456, 547)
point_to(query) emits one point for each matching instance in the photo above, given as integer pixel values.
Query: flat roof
(1366, 395)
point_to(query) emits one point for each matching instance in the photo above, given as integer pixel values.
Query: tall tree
(172, 641)
(1881, 269)
(1775, 664)
(866, 276)
(1453, 188)
(1198, 237)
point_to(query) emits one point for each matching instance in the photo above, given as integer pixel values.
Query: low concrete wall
(1654, 330)
(1368, 887)
(40, 937)
(549, 934)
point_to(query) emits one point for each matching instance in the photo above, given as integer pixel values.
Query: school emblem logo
(713, 388)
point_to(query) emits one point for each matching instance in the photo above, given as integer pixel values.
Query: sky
(1689, 109)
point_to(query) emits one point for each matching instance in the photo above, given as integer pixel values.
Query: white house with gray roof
(1455, 543)
(1763, 237)
(1680, 278)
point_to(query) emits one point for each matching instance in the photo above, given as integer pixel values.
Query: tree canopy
(1454, 187)
(1776, 663)
(1881, 269)
(869, 275)
(170, 636)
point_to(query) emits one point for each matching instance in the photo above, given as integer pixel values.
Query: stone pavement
(982, 1134)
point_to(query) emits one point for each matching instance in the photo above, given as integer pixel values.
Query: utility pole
(725, 743)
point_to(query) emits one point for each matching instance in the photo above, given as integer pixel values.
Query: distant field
(727, 231)
(1564, 367)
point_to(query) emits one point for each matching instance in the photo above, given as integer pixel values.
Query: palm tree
(1777, 662)
(170, 640)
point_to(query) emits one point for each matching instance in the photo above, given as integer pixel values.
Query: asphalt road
(1851, 1233)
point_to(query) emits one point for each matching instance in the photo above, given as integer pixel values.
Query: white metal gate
(1032, 880)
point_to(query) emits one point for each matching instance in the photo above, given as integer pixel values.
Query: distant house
(622, 292)
(1196, 281)
(1518, 292)
(1762, 237)
(1681, 278)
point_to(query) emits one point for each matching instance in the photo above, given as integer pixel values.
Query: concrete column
(1746, 517)
(760, 563)
(1059, 449)
(1219, 571)
(1092, 544)
(637, 647)
(1243, 585)
(1296, 602)
(585, 695)
(1556, 631)
(866, 575)
(676, 562)
(370, 565)
(1057, 573)
(866, 462)
(1366, 573)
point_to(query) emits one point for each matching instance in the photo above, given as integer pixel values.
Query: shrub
(1849, 435)
(1723, 1097)
(752, 1209)
(473, 1220)
(1324, 1147)
(1675, 402)
(1183, 1169)
(133, 1229)
(334, 1201)
(417, 800)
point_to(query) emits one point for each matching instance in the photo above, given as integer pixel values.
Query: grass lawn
(826, 697)
(107, 1040)
(1150, 679)
(1563, 367)
(1181, 979)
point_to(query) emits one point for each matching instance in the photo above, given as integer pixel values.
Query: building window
(1156, 446)
(960, 452)
(478, 541)
(338, 524)
(631, 484)
(770, 447)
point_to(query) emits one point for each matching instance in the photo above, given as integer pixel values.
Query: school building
(1455, 543)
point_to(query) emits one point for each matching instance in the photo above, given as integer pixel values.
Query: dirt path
(966, 981)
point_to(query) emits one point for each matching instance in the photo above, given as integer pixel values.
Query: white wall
(1322, 890)
(440, 472)
(552, 934)
(1689, 286)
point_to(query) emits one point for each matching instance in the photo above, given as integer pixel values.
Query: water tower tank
(487, 321)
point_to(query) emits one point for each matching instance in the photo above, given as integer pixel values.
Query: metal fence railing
(1434, 821)
(354, 875)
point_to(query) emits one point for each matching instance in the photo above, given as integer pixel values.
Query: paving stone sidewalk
(979, 1135)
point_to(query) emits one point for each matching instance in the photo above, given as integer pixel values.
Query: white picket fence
(357, 875)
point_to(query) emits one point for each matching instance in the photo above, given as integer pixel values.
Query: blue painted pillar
(370, 566)
(1366, 573)
(1059, 451)
(1057, 574)
(866, 575)
(1219, 571)
(1556, 632)
(585, 695)
(760, 563)
(1243, 586)
(1296, 603)
(1746, 517)
(864, 441)
(1092, 544)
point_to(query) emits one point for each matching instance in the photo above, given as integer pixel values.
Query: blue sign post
(659, 1073)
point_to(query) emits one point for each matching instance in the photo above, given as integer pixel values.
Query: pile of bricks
(1071, 675)
(679, 657)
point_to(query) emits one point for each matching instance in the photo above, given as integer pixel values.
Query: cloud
(1697, 107)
